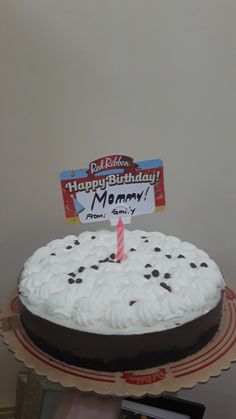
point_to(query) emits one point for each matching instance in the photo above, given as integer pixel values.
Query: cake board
(171, 377)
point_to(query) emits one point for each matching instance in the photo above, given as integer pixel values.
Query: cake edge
(121, 352)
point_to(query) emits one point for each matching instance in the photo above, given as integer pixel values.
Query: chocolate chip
(104, 260)
(147, 276)
(132, 249)
(157, 249)
(181, 257)
(167, 275)
(112, 256)
(69, 247)
(52, 254)
(132, 302)
(169, 256)
(76, 242)
(148, 265)
(94, 267)
(93, 237)
(145, 241)
(155, 273)
(81, 269)
(72, 274)
(164, 285)
(78, 280)
(193, 265)
(71, 281)
(204, 265)
(143, 237)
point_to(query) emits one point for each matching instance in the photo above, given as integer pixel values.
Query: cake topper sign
(113, 187)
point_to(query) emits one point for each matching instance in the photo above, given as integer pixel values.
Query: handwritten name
(111, 199)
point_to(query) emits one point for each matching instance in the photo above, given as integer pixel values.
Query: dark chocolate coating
(121, 352)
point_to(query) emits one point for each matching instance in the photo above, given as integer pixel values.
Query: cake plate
(171, 377)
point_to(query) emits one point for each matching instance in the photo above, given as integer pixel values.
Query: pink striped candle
(120, 240)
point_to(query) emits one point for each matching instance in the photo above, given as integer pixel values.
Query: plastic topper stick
(112, 187)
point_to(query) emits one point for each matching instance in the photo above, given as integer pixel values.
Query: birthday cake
(83, 306)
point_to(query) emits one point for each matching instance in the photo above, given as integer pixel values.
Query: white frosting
(118, 297)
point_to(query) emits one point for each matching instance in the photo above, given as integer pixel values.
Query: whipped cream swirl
(77, 282)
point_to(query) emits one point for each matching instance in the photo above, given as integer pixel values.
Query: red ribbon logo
(132, 378)
(110, 163)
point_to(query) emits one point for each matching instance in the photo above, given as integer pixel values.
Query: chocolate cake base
(121, 352)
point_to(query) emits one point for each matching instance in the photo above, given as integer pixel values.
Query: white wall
(80, 79)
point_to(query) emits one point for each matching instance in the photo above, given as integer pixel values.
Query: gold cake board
(171, 377)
